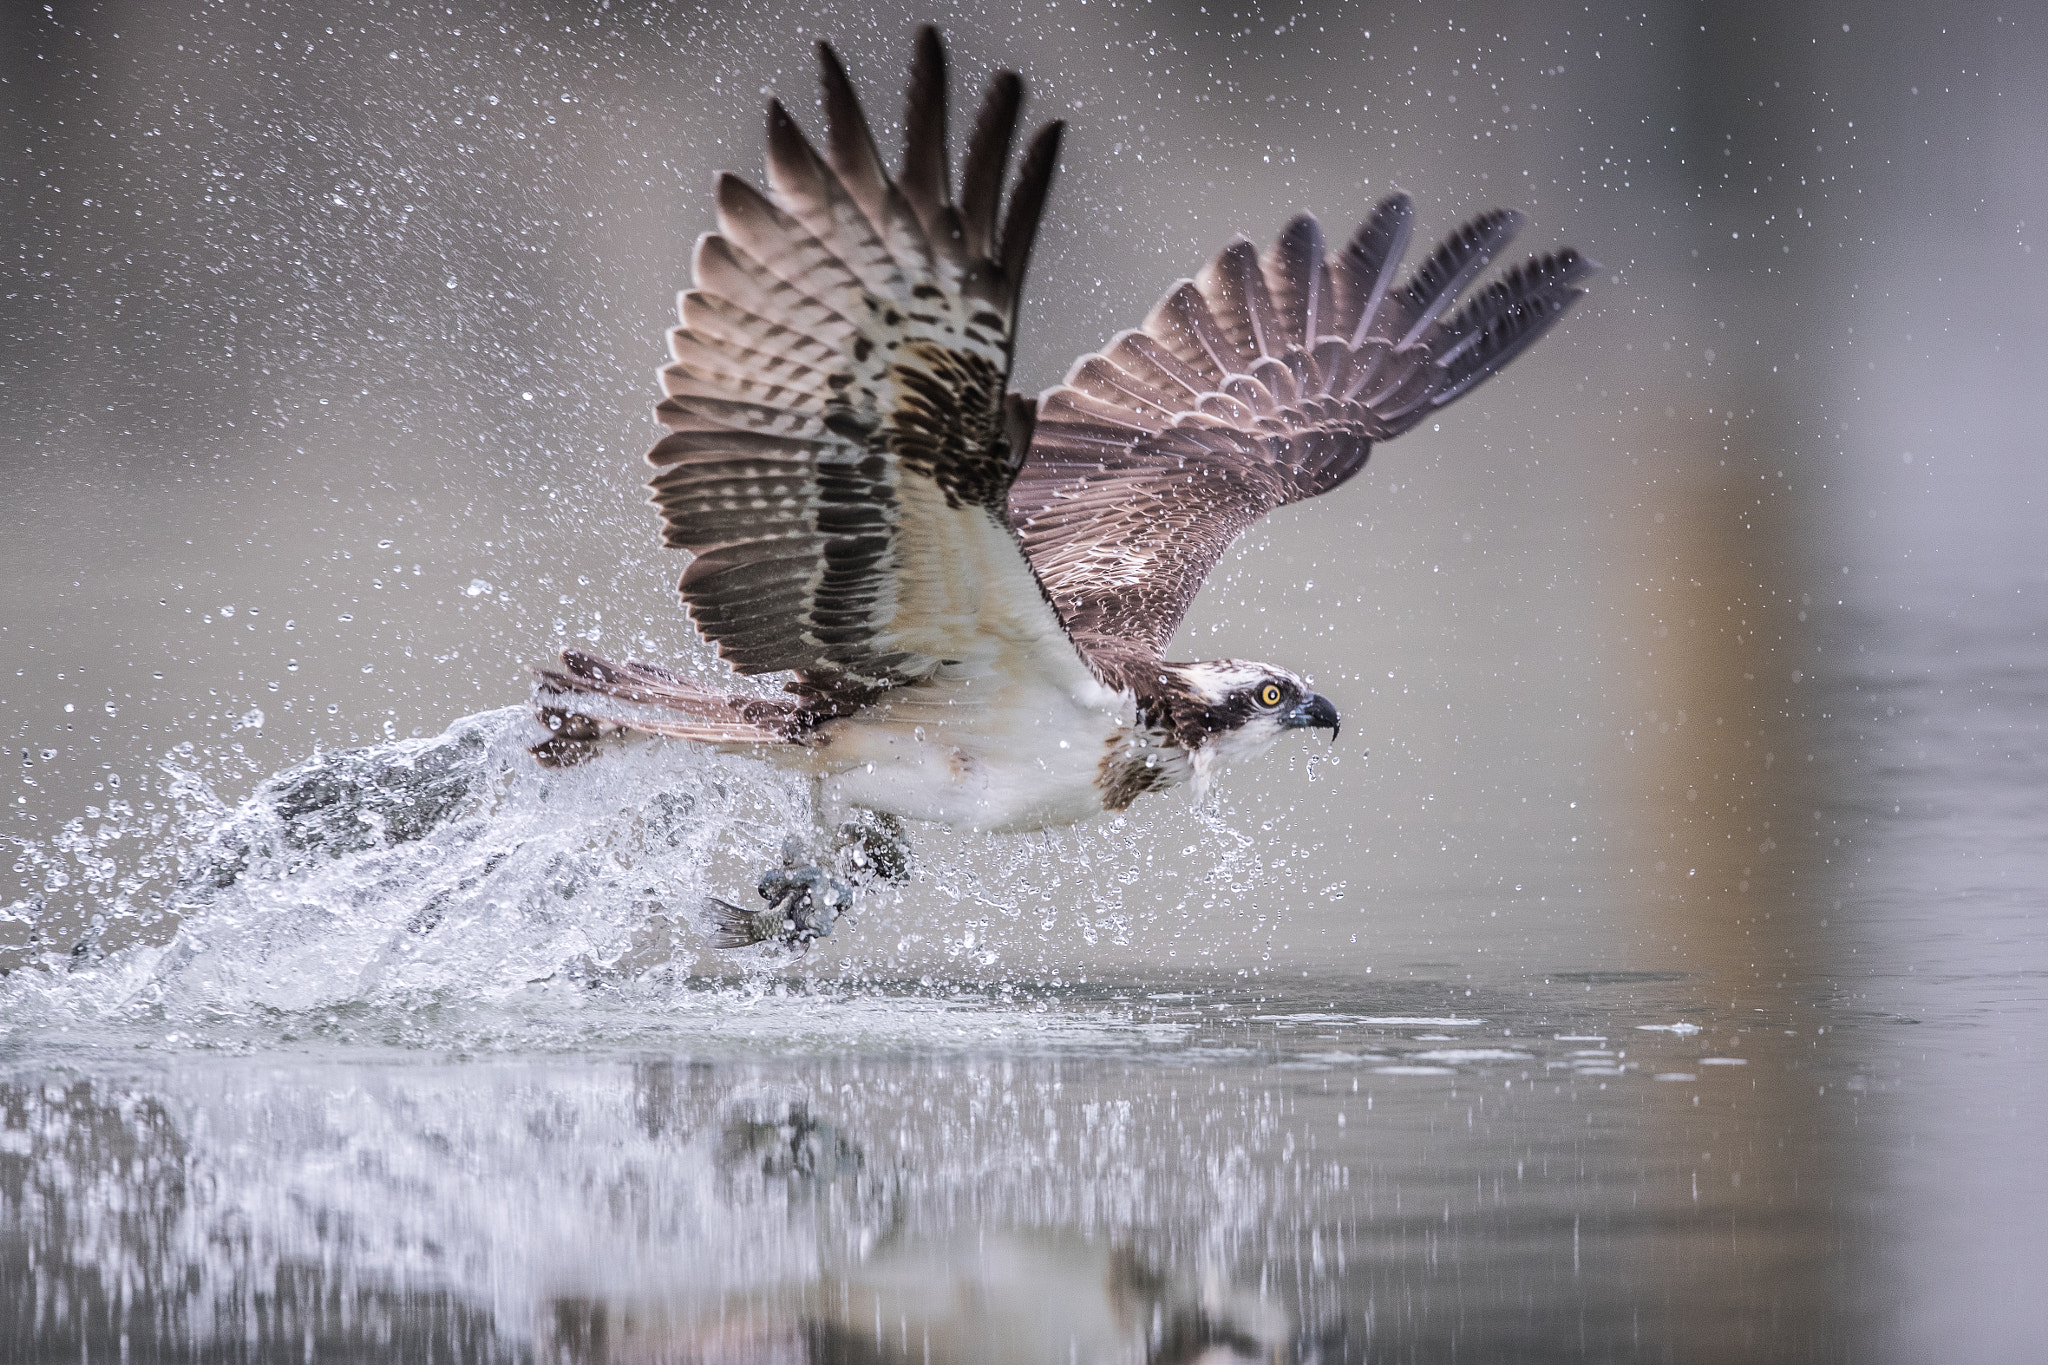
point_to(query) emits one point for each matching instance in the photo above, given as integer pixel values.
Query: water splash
(450, 892)
(427, 875)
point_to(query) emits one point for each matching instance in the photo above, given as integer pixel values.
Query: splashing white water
(452, 892)
(426, 874)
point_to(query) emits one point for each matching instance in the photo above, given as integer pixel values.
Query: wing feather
(1183, 323)
(1300, 277)
(782, 245)
(1454, 264)
(988, 158)
(925, 178)
(1263, 381)
(811, 191)
(1495, 327)
(733, 368)
(841, 446)
(728, 272)
(1364, 271)
(713, 319)
(1027, 201)
(850, 147)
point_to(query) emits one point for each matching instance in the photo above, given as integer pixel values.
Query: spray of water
(451, 891)
(430, 874)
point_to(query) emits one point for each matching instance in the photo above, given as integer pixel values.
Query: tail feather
(589, 698)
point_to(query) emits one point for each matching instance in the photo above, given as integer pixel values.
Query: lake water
(296, 1133)
(1655, 972)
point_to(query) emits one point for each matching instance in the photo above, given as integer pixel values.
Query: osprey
(973, 590)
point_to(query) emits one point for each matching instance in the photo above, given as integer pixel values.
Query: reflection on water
(1594, 1170)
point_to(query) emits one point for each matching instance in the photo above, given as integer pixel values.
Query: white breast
(1008, 734)
(977, 748)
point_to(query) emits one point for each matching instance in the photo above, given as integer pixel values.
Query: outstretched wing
(842, 448)
(1263, 382)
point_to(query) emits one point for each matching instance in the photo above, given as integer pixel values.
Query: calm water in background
(1656, 971)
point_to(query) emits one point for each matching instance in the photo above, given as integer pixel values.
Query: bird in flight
(973, 590)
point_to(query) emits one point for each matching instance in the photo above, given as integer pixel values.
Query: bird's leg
(871, 847)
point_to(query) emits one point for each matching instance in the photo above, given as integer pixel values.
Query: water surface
(1746, 1158)
(1655, 972)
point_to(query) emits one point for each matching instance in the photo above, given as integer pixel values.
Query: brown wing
(842, 449)
(1263, 382)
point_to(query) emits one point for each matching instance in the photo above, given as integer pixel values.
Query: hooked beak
(1315, 712)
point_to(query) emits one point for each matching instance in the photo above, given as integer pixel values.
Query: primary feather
(1263, 381)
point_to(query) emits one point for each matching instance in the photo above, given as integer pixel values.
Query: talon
(873, 847)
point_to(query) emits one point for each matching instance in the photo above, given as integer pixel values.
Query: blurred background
(327, 349)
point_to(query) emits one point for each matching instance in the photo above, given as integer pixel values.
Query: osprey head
(1228, 710)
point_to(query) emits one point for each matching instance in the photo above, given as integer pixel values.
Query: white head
(1229, 710)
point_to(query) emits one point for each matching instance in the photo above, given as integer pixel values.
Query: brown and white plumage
(1263, 381)
(837, 398)
(973, 590)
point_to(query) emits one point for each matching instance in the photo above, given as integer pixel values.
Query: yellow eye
(1269, 695)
